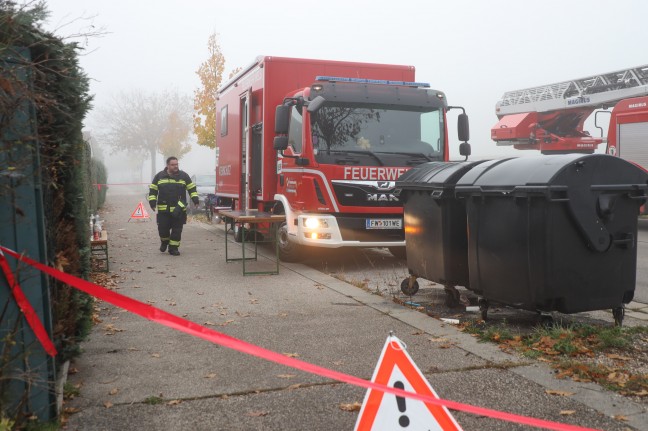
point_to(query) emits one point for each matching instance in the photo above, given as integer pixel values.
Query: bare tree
(147, 124)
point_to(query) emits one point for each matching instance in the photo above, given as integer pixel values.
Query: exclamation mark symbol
(403, 420)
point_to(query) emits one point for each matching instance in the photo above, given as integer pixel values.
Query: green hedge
(59, 95)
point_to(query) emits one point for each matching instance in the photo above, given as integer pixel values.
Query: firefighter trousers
(170, 228)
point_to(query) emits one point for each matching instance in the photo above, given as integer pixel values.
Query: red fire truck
(550, 118)
(628, 131)
(323, 143)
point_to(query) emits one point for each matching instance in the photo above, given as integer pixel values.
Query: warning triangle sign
(139, 213)
(381, 411)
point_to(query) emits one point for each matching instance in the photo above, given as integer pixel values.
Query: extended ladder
(601, 90)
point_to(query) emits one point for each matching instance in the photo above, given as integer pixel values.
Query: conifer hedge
(58, 96)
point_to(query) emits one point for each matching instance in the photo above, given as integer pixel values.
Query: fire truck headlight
(314, 223)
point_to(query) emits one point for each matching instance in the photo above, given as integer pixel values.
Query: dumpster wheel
(619, 314)
(453, 296)
(546, 319)
(409, 285)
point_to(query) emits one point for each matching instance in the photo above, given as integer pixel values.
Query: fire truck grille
(361, 195)
(354, 229)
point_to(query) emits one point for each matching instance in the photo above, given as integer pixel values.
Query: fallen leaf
(210, 376)
(619, 357)
(620, 418)
(438, 339)
(295, 386)
(619, 378)
(72, 370)
(174, 402)
(113, 391)
(292, 355)
(338, 362)
(208, 323)
(560, 393)
(108, 404)
(286, 376)
(155, 355)
(353, 407)
(71, 410)
(418, 333)
(567, 412)
(257, 414)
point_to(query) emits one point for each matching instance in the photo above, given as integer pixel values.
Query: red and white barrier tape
(172, 321)
(26, 308)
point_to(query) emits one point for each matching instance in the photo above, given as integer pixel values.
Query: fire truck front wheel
(288, 250)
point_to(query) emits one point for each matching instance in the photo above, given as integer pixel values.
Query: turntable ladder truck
(550, 118)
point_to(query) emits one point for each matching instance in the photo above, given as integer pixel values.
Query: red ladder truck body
(628, 131)
(550, 118)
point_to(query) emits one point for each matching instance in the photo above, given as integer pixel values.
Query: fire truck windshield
(398, 135)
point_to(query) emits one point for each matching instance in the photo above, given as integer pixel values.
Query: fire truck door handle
(281, 180)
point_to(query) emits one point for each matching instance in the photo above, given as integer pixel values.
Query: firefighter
(168, 192)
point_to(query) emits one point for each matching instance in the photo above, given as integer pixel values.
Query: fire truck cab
(323, 142)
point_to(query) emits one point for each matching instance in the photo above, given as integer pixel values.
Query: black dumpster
(554, 233)
(435, 226)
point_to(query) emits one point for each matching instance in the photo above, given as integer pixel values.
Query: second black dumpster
(435, 226)
(554, 233)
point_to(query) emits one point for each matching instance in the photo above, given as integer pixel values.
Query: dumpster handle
(643, 197)
(627, 242)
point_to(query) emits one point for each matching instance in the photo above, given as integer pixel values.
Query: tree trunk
(153, 153)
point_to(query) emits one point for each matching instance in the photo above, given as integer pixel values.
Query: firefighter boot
(173, 250)
(163, 246)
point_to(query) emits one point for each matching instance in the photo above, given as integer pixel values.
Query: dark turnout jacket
(170, 191)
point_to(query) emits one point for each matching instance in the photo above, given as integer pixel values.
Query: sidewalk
(135, 374)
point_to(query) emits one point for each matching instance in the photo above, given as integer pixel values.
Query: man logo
(382, 185)
(382, 197)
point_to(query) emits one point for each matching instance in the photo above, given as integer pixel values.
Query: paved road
(135, 374)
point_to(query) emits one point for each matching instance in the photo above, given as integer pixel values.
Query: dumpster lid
(535, 172)
(434, 175)
(588, 184)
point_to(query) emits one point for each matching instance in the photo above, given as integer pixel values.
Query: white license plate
(384, 223)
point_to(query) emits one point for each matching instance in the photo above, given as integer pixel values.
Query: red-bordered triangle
(140, 212)
(382, 411)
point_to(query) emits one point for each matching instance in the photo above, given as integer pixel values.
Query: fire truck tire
(398, 252)
(288, 250)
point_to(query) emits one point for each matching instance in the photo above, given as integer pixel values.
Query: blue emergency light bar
(372, 81)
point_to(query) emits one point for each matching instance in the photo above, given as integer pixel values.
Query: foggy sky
(474, 51)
